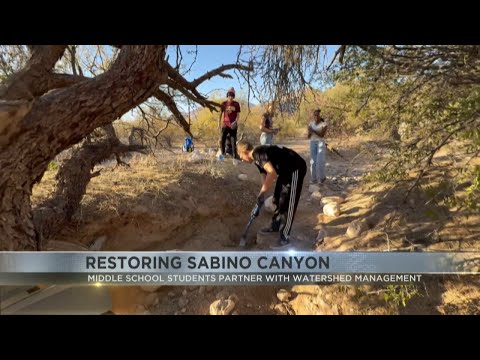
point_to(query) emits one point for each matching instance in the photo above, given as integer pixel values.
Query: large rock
(356, 228)
(331, 209)
(222, 307)
(283, 295)
(331, 199)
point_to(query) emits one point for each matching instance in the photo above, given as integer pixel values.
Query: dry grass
(45, 187)
(155, 187)
(120, 188)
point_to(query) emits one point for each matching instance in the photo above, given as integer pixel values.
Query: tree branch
(189, 89)
(430, 158)
(56, 81)
(219, 71)
(340, 52)
(211, 105)
(33, 81)
(168, 101)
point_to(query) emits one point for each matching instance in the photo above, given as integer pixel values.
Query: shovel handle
(243, 239)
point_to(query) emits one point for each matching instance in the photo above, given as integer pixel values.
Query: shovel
(243, 239)
(255, 213)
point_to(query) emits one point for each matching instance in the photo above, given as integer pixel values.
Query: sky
(210, 57)
(213, 56)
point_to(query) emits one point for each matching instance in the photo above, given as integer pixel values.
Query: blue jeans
(317, 160)
(266, 138)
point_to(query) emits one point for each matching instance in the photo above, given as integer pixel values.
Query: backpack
(188, 145)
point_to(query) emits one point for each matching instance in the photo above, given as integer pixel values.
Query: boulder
(331, 209)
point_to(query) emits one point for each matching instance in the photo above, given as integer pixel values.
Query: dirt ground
(168, 202)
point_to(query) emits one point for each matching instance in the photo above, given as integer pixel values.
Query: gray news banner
(232, 268)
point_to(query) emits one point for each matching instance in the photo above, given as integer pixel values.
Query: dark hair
(230, 93)
(244, 145)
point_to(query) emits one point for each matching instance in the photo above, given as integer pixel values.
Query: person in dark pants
(316, 133)
(228, 145)
(289, 168)
(228, 121)
(266, 138)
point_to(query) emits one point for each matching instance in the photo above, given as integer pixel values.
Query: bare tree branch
(432, 153)
(56, 81)
(30, 82)
(457, 64)
(340, 53)
(168, 101)
(189, 89)
(219, 71)
(72, 50)
(211, 105)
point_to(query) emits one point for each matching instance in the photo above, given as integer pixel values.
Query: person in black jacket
(289, 169)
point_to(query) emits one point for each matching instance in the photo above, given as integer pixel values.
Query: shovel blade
(243, 241)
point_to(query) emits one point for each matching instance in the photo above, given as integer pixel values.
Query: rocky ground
(194, 202)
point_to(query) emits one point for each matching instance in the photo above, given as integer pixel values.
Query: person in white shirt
(317, 129)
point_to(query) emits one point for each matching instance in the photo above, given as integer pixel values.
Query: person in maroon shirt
(228, 122)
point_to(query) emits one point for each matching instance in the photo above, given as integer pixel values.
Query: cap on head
(231, 92)
(316, 111)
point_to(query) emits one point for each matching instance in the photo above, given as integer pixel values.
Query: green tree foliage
(399, 295)
(425, 97)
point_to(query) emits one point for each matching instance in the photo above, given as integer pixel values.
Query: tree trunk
(60, 119)
(16, 227)
(72, 180)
